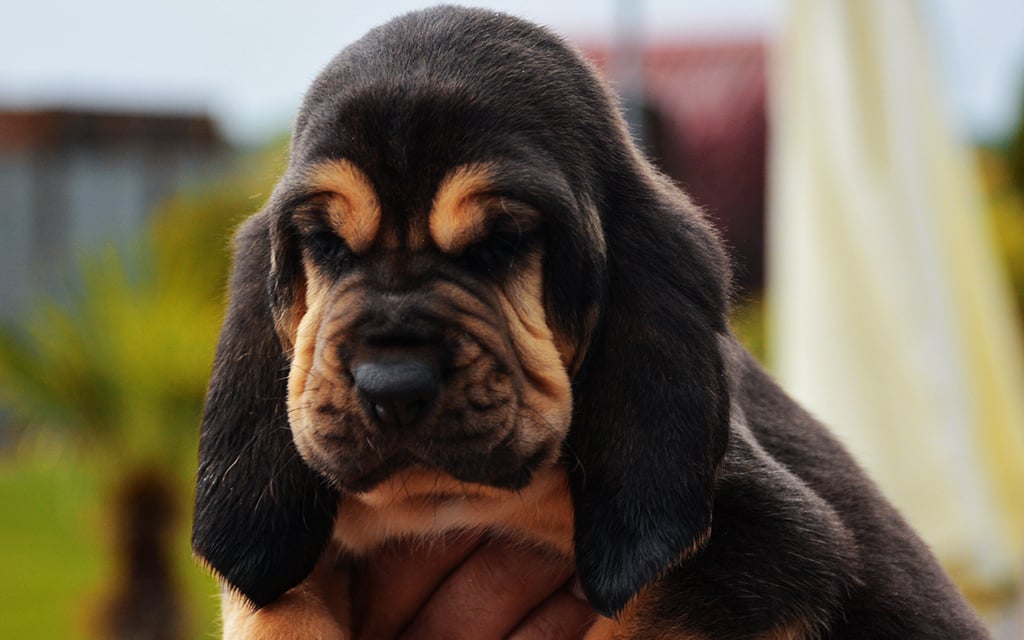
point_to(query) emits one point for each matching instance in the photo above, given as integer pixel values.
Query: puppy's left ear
(262, 516)
(651, 415)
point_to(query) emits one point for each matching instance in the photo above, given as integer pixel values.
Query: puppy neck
(425, 504)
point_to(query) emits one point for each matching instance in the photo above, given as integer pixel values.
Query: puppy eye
(497, 254)
(327, 249)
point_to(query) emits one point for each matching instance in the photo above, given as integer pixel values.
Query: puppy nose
(399, 391)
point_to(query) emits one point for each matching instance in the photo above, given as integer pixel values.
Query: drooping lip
(503, 467)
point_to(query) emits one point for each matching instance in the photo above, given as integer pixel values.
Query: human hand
(470, 587)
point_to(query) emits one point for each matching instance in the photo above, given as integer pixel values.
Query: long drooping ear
(262, 517)
(651, 401)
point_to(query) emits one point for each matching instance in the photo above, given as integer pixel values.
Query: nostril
(399, 391)
(391, 379)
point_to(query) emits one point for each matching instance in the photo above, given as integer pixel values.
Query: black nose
(399, 391)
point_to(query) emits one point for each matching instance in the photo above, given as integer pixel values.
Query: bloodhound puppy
(471, 303)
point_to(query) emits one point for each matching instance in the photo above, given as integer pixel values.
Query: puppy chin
(505, 467)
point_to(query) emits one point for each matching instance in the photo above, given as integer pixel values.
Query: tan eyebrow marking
(353, 209)
(459, 215)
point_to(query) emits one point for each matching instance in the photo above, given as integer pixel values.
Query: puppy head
(467, 267)
(431, 196)
(417, 325)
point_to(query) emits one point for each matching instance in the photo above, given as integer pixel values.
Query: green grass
(54, 536)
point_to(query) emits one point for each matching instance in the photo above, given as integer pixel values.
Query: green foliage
(110, 374)
(122, 358)
(1013, 149)
(1005, 195)
(54, 543)
(1008, 218)
(49, 561)
(1003, 172)
(748, 323)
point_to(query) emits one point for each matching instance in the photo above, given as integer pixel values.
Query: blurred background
(865, 161)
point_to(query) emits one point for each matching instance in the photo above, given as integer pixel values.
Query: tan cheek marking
(458, 216)
(286, 321)
(353, 208)
(535, 344)
(307, 329)
(574, 350)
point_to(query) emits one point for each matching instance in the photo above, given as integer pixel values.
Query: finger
(563, 616)
(490, 593)
(394, 585)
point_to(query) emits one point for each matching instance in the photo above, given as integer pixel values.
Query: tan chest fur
(426, 504)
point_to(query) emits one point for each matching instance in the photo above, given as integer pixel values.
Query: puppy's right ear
(262, 517)
(651, 402)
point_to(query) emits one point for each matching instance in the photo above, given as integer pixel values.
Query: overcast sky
(248, 62)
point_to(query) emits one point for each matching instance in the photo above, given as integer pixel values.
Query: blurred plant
(748, 323)
(119, 363)
(1006, 206)
(1003, 175)
(1013, 148)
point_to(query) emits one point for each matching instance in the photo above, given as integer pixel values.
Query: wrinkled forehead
(458, 209)
(418, 158)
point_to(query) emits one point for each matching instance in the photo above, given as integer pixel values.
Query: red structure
(706, 126)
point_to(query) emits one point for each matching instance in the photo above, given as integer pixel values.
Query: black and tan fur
(462, 194)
